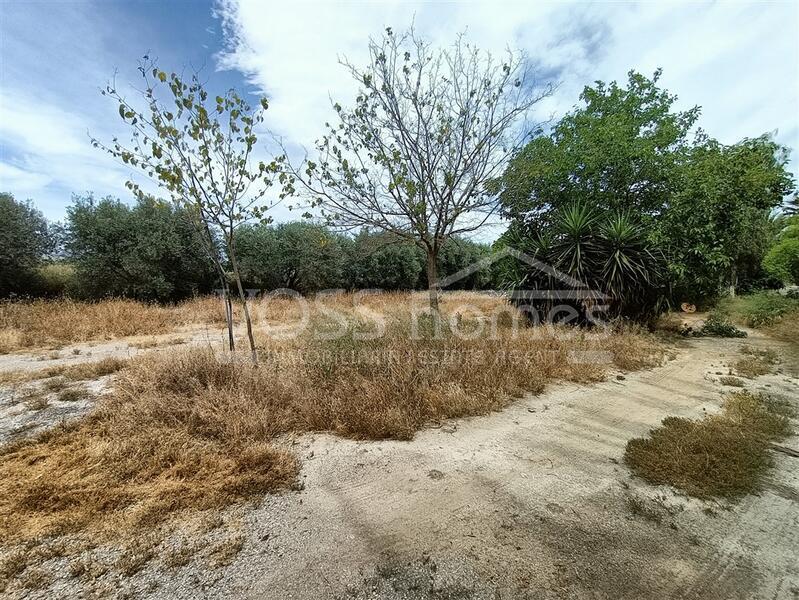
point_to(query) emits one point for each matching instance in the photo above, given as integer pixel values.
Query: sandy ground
(531, 502)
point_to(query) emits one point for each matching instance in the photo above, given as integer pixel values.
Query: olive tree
(415, 156)
(200, 150)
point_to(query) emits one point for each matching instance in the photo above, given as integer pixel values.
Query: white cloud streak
(739, 61)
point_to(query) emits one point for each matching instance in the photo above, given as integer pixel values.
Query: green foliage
(782, 260)
(719, 325)
(717, 220)
(310, 258)
(761, 309)
(55, 279)
(383, 261)
(707, 206)
(299, 256)
(618, 151)
(608, 253)
(24, 241)
(151, 251)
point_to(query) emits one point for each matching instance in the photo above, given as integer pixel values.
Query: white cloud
(740, 62)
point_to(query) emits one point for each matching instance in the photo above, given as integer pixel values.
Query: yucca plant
(630, 267)
(609, 253)
(574, 246)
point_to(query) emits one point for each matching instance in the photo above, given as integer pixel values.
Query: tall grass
(188, 428)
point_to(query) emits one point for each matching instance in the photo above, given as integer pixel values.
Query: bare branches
(429, 130)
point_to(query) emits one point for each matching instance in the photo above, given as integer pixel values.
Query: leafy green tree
(384, 261)
(618, 151)
(200, 150)
(782, 260)
(300, 256)
(24, 241)
(152, 251)
(714, 220)
(456, 255)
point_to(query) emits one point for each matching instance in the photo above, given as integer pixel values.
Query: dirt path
(531, 502)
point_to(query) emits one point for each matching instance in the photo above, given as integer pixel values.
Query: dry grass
(226, 551)
(36, 401)
(189, 429)
(57, 376)
(724, 455)
(731, 381)
(755, 363)
(74, 394)
(53, 323)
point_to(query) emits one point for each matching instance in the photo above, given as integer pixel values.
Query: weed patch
(718, 325)
(724, 455)
(731, 381)
(755, 362)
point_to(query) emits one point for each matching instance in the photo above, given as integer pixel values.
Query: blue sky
(739, 61)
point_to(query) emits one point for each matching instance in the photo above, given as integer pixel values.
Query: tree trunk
(243, 297)
(432, 280)
(229, 316)
(733, 280)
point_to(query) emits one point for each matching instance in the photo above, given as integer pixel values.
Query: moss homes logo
(553, 300)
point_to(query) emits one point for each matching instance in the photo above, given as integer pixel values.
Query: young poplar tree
(200, 150)
(415, 156)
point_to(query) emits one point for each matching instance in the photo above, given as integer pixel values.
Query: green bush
(782, 261)
(151, 251)
(718, 325)
(24, 241)
(54, 279)
(761, 309)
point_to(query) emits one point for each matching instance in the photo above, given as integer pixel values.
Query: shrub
(24, 240)
(152, 251)
(718, 325)
(782, 260)
(55, 279)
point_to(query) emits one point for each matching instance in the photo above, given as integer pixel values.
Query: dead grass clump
(12, 564)
(751, 367)
(641, 508)
(134, 558)
(721, 455)
(11, 339)
(94, 370)
(36, 578)
(55, 384)
(74, 394)
(58, 375)
(731, 381)
(36, 401)
(224, 552)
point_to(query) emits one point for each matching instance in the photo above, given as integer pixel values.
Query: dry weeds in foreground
(189, 429)
(724, 455)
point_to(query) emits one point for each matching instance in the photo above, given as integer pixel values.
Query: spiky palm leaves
(608, 253)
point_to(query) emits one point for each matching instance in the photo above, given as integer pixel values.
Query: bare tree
(430, 130)
(200, 150)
